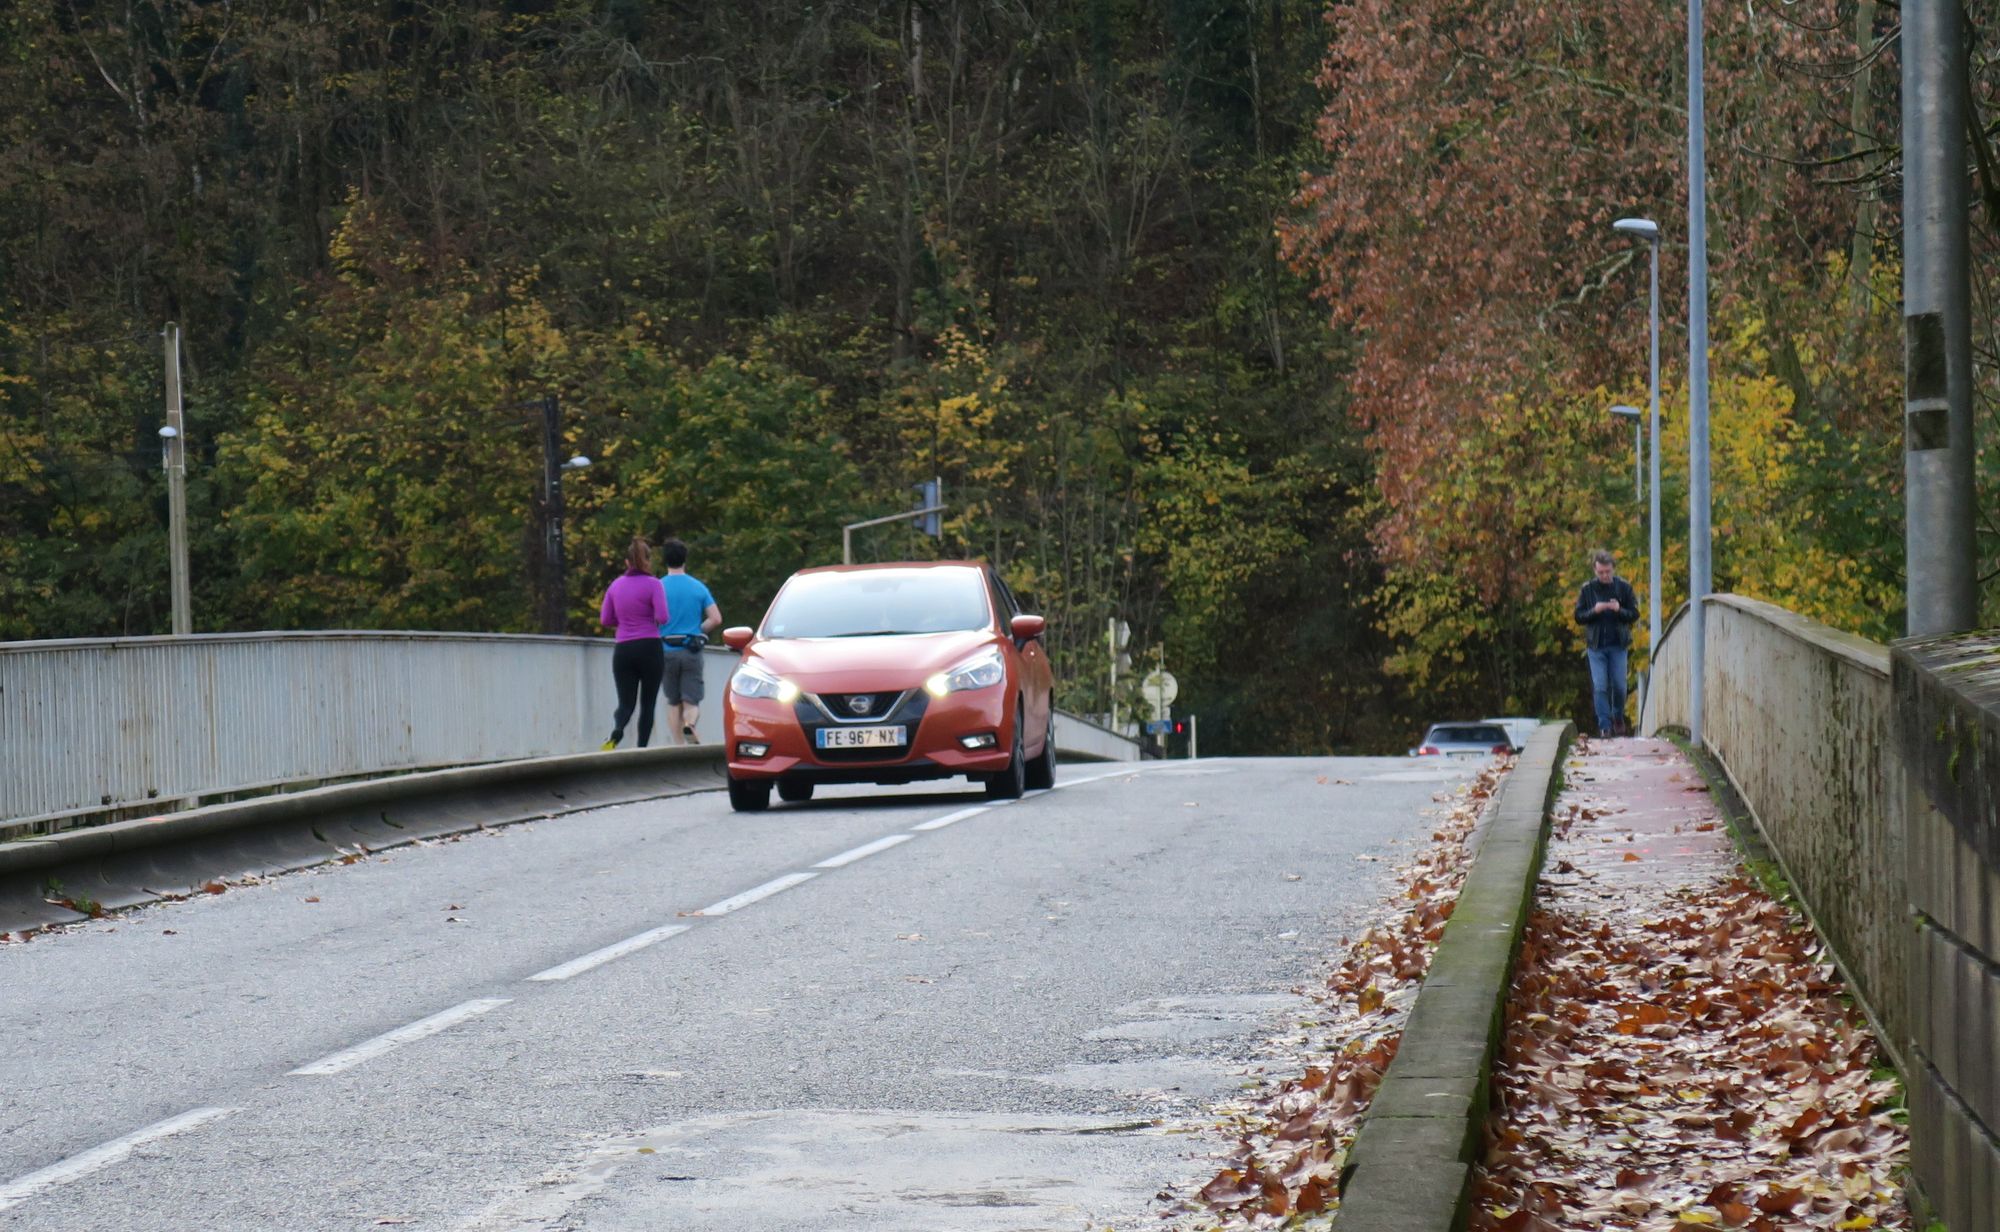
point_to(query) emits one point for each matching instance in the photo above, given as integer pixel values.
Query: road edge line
(97, 1158)
(1410, 1166)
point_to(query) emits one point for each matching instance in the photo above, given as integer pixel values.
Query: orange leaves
(1676, 1054)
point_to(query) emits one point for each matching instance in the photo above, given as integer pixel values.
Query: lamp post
(1637, 417)
(1648, 230)
(1698, 532)
(174, 437)
(555, 589)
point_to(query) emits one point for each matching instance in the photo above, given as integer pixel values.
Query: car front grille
(889, 708)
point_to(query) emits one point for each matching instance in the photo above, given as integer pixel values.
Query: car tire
(794, 793)
(1011, 783)
(749, 795)
(1041, 773)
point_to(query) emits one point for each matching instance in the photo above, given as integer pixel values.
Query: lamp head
(1626, 412)
(576, 463)
(1642, 228)
(169, 432)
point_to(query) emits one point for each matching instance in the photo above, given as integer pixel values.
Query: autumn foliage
(1460, 228)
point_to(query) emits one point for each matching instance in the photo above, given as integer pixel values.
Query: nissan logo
(860, 703)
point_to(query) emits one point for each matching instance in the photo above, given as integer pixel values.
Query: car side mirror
(738, 637)
(1026, 628)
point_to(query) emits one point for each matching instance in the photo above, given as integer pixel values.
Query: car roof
(894, 564)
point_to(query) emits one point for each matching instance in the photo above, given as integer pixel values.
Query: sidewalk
(1676, 1052)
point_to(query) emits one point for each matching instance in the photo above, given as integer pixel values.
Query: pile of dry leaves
(1293, 1135)
(1680, 1057)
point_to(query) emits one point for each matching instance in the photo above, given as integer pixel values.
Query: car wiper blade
(873, 633)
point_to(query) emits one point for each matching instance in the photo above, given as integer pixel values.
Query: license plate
(863, 737)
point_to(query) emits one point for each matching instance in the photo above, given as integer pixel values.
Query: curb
(1410, 1167)
(126, 863)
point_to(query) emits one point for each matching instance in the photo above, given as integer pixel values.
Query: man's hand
(1612, 604)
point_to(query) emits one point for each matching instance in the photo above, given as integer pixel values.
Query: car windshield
(879, 601)
(1488, 736)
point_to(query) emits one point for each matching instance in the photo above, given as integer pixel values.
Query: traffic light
(1180, 727)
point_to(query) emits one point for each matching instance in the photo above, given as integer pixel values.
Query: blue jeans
(1607, 685)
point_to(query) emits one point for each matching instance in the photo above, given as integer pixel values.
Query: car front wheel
(749, 795)
(1042, 770)
(1009, 784)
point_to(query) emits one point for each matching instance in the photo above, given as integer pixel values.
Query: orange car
(889, 674)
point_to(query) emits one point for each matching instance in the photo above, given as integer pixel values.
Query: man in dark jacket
(1606, 608)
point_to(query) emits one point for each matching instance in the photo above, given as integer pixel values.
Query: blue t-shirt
(687, 599)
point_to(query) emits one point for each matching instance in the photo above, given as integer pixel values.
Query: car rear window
(1466, 734)
(875, 602)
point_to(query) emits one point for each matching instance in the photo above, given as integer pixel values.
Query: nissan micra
(889, 673)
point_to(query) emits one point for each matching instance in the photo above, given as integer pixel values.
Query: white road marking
(15, 1192)
(939, 823)
(1092, 778)
(864, 851)
(764, 891)
(597, 958)
(420, 1029)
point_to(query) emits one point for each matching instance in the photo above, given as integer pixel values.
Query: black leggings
(636, 667)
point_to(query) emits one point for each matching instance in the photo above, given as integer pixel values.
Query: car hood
(889, 661)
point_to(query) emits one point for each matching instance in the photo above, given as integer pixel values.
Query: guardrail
(103, 726)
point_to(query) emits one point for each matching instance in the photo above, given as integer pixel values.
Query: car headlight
(753, 681)
(982, 671)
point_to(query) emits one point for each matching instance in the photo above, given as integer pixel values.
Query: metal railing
(106, 725)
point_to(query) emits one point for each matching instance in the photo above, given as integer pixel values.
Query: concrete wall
(1947, 699)
(1867, 772)
(1799, 716)
(90, 727)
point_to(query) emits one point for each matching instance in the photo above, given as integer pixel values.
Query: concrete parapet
(1947, 703)
(1800, 717)
(1410, 1167)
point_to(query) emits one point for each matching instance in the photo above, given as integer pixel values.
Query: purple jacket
(636, 605)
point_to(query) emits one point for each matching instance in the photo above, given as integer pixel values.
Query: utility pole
(555, 588)
(1940, 555)
(1698, 530)
(176, 467)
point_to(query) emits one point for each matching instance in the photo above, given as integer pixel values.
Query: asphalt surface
(991, 1023)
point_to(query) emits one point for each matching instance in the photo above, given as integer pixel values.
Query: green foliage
(779, 263)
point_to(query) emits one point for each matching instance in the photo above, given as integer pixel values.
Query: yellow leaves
(1699, 1218)
(1856, 1223)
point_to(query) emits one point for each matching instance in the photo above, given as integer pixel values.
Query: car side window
(1003, 599)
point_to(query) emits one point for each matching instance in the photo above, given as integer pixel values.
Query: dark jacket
(1602, 629)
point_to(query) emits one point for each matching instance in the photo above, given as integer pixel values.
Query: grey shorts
(683, 682)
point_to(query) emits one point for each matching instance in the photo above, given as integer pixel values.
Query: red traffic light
(1180, 728)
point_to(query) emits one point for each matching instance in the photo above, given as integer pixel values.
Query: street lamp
(1698, 492)
(1648, 230)
(1636, 415)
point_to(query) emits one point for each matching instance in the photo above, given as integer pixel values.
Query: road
(890, 1010)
